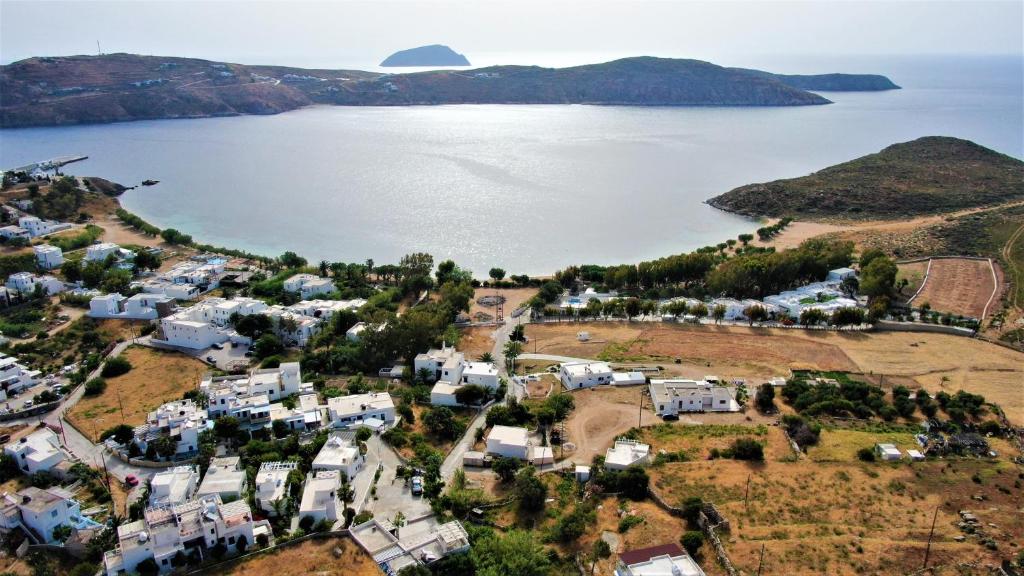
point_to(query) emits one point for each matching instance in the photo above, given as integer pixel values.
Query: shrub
(95, 387)
(629, 521)
(115, 366)
(306, 523)
(866, 454)
(747, 449)
(692, 540)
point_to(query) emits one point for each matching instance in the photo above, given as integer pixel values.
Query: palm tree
(324, 267)
(512, 351)
(486, 357)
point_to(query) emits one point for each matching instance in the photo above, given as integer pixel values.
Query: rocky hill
(929, 175)
(433, 55)
(120, 87)
(829, 82)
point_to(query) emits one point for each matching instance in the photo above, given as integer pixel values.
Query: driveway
(393, 495)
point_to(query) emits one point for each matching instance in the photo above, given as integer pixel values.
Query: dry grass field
(914, 274)
(958, 286)
(309, 557)
(935, 361)
(849, 517)
(156, 377)
(601, 415)
(475, 341)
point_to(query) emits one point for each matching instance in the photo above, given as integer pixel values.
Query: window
(53, 514)
(231, 540)
(164, 561)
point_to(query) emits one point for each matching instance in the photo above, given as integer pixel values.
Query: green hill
(929, 175)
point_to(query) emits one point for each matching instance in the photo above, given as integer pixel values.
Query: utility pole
(98, 51)
(640, 414)
(760, 562)
(928, 549)
(121, 404)
(747, 493)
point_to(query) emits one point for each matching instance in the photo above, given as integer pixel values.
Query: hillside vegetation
(120, 87)
(929, 175)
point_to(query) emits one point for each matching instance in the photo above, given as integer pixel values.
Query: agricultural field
(322, 556)
(157, 376)
(958, 286)
(913, 273)
(938, 362)
(846, 517)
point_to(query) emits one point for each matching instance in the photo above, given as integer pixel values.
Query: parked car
(28, 403)
(211, 359)
(131, 481)
(417, 485)
(248, 353)
(216, 346)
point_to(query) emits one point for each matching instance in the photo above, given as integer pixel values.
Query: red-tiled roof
(644, 554)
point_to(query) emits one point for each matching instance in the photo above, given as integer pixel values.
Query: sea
(530, 189)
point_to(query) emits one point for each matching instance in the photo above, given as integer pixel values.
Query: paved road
(553, 358)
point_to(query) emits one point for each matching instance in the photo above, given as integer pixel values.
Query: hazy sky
(346, 33)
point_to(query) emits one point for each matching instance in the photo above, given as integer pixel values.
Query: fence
(891, 326)
(710, 520)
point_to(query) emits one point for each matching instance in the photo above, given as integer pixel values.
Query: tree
(766, 397)
(458, 295)
(280, 428)
(164, 446)
(122, 433)
(745, 238)
(470, 394)
(718, 313)
(115, 366)
(812, 317)
(291, 260)
(172, 236)
(691, 541)
(441, 422)
(486, 357)
(497, 274)
(415, 570)
(755, 313)
(699, 310)
(847, 316)
(632, 307)
(516, 553)
(95, 387)
(599, 551)
(72, 270)
(267, 345)
(512, 350)
(747, 449)
(879, 277)
(147, 567)
(146, 260)
(505, 468)
(226, 427)
(530, 491)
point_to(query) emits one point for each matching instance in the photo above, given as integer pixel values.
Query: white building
(733, 308)
(204, 324)
(670, 397)
(140, 306)
(443, 394)
(584, 374)
(181, 420)
(354, 333)
(48, 257)
(239, 395)
(40, 511)
(165, 531)
(664, 560)
(432, 361)
(509, 441)
(26, 282)
(340, 453)
(14, 232)
(39, 227)
(15, 377)
(421, 542)
(374, 409)
(325, 309)
(37, 452)
(292, 328)
(309, 285)
(626, 453)
(176, 291)
(225, 478)
(449, 366)
(100, 252)
(173, 486)
(320, 499)
(840, 274)
(824, 296)
(272, 484)
(888, 452)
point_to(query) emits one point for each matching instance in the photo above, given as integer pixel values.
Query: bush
(692, 540)
(866, 454)
(747, 449)
(629, 521)
(95, 387)
(115, 366)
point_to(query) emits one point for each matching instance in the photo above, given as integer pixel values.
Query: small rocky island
(433, 55)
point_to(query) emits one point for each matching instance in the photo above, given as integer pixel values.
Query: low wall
(891, 326)
(149, 463)
(33, 411)
(344, 533)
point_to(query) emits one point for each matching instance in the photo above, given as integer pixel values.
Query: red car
(131, 481)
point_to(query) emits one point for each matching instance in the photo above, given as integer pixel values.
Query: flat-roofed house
(509, 441)
(664, 560)
(670, 397)
(576, 375)
(626, 453)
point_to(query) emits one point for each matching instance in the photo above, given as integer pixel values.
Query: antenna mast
(98, 51)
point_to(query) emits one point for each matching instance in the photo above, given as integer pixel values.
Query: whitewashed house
(39, 451)
(100, 252)
(181, 420)
(576, 375)
(173, 486)
(39, 227)
(140, 306)
(176, 291)
(320, 499)
(443, 394)
(373, 409)
(272, 484)
(626, 453)
(509, 441)
(354, 333)
(309, 285)
(11, 231)
(663, 560)
(26, 282)
(230, 395)
(840, 274)
(339, 453)
(434, 360)
(225, 478)
(888, 452)
(40, 511)
(15, 377)
(48, 257)
(670, 397)
(165, 531)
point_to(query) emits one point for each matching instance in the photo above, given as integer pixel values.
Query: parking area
(25, 399)
(226, 358)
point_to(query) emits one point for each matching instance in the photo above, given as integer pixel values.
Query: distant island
(433, 55)
(829, 82)
(48, 91)
(930, 175)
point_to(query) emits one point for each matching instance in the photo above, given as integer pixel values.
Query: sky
(342, 33)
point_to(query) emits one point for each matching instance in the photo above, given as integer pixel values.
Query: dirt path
(1015, 273)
